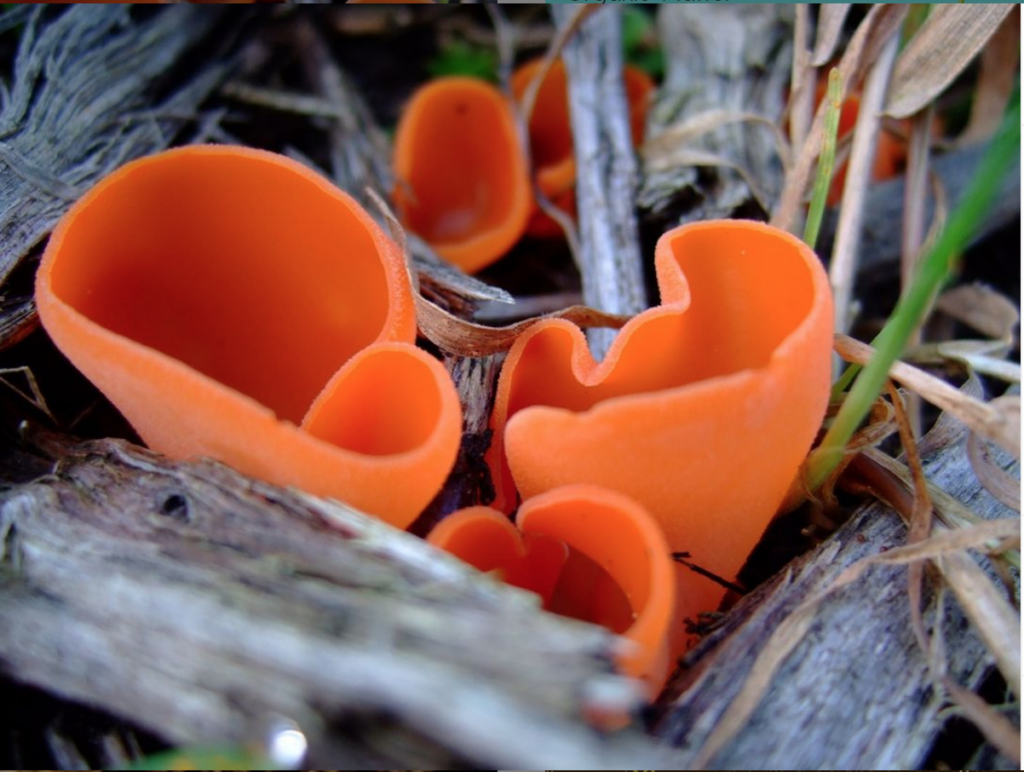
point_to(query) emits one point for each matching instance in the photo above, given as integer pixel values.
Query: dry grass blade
(949, 39)
(802, 79)
(948, 509)
(831, 18)
(457, 336)
(34, 396)
(920, 521)
(915, 197)
(983, 356)
(880, 24)
(685, 156)
(843, 266)
(791, 631)
(997, 729)
(671, 138)
(995, 81)
(983, 308)
(984, 418)
(1004, 487)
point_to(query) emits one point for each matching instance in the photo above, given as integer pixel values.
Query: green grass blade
(226, 757)
(827, 159)
(932, 273)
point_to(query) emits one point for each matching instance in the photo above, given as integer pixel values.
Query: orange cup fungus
(234, 304)
(703, 408)
(551, 134)
(463, 185)
(590, 553)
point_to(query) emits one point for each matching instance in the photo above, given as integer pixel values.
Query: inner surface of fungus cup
(462, 182)
(234, 304)
(702, 410)
(551, 146)
(589, 553)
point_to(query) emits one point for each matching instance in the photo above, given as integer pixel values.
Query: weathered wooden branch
(855, 693)
(606, 170)
(728, 62)
(84, 100)
(200, 603)
(883, 211)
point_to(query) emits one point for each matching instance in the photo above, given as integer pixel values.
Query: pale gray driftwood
(201, 604)
(606, 170)
(84, 100)
(721, 58)
(855, 693)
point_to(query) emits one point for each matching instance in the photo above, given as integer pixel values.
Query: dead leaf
(982, 356)
(983, 308)
(946, 43)
(831, 17)
(1001, 485)
(684, 132)
(685, 156)
(995, 81)
(457, 336)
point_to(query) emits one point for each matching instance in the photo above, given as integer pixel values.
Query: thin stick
(606, 172)
(914, 199)
(801, 86)
(858, 177)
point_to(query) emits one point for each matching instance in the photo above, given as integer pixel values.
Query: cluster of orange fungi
(234, 304)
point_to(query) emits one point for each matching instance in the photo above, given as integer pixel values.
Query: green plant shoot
(827, 159)
(933, 271)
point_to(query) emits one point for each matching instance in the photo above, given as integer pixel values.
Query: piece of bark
(720, 58)
(606, 170)
(84, 100)
(470, 482)
(855, 693)
(201, 604)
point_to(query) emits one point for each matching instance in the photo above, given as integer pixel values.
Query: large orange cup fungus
(463, 185)
(234, 304)
(590, 553)
(551, 134)
(702, 410)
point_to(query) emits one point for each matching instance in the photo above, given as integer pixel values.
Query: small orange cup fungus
(234, 304)
(551, 134)
(590, 553)
(702, 410)
(463, 185)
